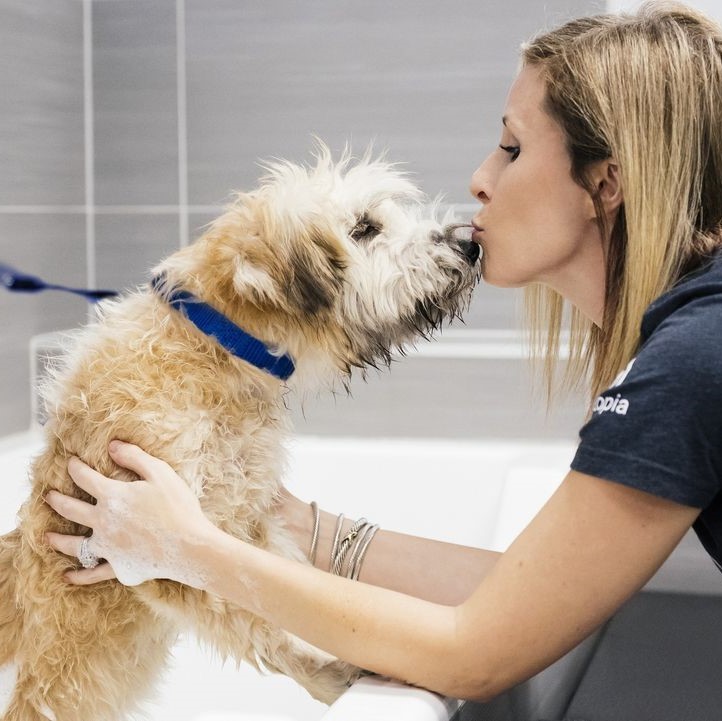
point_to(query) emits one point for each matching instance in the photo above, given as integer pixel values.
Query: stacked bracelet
(357, 556)
(314, 534)
(347, 552)
(343, 545)
(353, 545)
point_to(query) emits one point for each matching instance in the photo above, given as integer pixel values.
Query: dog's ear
(299, 273)
(317, 265)
(254, 282)
(285, 260)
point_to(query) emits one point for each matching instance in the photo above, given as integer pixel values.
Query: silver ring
(86, 557)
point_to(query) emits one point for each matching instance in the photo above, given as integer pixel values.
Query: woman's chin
(497, 277)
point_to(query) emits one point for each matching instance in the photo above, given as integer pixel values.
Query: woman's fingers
(135, 458)
(71, 508)
(70, 546)
(127, 517)
(87, 478)
(86, 576)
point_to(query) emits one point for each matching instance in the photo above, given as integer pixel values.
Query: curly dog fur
(333, 264)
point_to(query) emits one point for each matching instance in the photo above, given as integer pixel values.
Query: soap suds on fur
(8, 679)
(45, 711)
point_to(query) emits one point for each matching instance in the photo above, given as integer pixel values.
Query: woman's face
(536, 223)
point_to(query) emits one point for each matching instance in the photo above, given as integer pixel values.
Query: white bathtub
(479, 494)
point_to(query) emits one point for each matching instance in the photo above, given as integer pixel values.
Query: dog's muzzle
(453, 236)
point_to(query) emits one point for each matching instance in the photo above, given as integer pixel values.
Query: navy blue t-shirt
(658, 428)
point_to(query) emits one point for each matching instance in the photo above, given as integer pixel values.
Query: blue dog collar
(234, 339)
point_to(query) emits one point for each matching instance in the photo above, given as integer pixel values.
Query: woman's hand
(142, 528)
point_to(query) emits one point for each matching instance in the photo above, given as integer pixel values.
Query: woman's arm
(436, 571)
(592, 545)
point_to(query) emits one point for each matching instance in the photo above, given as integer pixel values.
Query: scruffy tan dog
(331, 265)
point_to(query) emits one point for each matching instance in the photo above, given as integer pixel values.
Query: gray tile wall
(128, 245)
(135, 103)
(41, 123)
(423, 78)
(42, 224)
(188, 95)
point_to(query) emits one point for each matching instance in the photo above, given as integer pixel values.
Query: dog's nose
(470, 249)
(457, 236)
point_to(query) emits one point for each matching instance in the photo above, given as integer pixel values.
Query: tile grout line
(106, 209)
(182, 123)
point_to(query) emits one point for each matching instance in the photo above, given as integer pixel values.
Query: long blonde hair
(646, 90)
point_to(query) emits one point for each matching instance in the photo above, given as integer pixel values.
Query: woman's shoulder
(692, 309)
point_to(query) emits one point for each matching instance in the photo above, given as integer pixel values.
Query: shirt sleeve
(658, 428)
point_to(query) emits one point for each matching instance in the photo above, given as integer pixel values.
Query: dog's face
(333, 260)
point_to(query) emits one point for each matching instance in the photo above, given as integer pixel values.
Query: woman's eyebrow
(513, 125)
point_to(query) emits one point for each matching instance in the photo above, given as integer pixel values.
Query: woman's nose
(480, 187)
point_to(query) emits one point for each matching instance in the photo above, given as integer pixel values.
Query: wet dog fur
(336, 264)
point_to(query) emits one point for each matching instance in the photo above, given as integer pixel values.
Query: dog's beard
(376, 337)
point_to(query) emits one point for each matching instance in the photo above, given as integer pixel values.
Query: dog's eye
(364, 230)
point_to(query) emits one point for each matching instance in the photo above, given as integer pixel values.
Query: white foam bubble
(161, 557)
(8, 679)
(133, 569)
(48, 713)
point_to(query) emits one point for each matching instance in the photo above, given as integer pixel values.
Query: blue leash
(206, 318)
(23, 283)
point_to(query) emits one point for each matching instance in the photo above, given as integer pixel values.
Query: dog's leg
(84, 652)
(238, 634)
(81, 653)
(75, 675)
(268, 647)
(322, 675)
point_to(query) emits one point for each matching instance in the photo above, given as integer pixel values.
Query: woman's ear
(607, 183)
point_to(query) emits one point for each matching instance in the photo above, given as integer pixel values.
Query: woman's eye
(364, 230)
(513, 150)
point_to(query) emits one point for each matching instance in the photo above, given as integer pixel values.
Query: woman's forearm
(432, 570)
(377, 629)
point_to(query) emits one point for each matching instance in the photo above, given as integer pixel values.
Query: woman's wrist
(298, 518)
(331, 543)
(198, 546)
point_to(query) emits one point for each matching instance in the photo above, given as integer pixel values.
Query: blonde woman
(606, 192)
